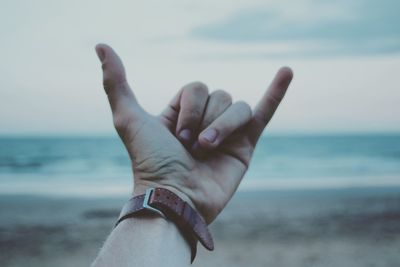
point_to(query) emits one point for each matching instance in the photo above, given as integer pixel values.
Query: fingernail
(185, 134)
(100, 53)
(210, 135)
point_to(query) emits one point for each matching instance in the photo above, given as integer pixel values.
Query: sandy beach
(343, 227)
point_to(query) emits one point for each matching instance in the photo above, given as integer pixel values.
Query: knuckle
(243, 107)
(194, 114)
(113, 81)
(197, 88)
(104, 66)
(120, 122)
(273, 99)
(222, 96)
(261, 119)
(189, 118)
(107, 85)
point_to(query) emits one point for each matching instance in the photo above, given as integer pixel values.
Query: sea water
(101, 166)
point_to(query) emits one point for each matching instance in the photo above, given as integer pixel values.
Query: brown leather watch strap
(172, 207)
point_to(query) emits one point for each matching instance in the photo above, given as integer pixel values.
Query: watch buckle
(146, 204)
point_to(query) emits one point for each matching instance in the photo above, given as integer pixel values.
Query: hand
(199, 147)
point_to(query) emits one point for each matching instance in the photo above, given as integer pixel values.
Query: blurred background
(324, 184)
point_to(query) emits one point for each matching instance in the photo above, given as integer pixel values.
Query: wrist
(140, 189)
(169, 205)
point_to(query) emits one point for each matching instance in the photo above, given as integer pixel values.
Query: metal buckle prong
(146, 205)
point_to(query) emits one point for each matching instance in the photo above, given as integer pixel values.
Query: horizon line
(265, 134)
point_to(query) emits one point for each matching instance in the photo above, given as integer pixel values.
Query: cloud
(345, 28)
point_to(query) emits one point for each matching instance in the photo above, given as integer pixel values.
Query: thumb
(122, 100)
(113, 69)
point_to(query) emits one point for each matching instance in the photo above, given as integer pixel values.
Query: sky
(345, 56)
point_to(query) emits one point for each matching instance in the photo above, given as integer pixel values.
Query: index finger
(265, 109)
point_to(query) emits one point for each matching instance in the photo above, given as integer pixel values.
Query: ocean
(98, 166)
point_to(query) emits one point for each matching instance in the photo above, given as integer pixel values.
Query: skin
(199, 147)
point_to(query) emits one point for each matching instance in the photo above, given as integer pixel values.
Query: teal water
(101, 165)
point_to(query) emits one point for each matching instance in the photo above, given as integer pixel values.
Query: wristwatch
(168, 205)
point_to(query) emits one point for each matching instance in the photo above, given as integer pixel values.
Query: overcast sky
(345, 56)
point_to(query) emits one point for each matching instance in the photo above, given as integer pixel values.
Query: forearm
(144, 241)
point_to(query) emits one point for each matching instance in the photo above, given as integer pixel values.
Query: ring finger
(218, 102)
